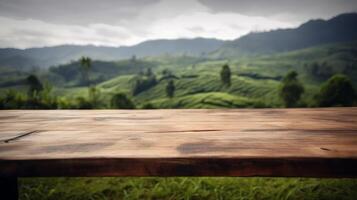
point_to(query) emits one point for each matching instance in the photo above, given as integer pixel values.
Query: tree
(226, 75)
(94, 96)
(83, 103)
(166, 73)
(337, 91)
(86, 64)
(133, 58)
(35, 85)
(48, 100)
(12, 100)
(143, 84)
(170, 89)
(93, 92)
(121, 101)
(291, 89)
(149, 72)
(320, 71)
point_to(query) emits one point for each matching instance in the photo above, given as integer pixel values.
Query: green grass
(186, 188)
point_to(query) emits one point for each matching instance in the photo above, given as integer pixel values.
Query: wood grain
(238, 142)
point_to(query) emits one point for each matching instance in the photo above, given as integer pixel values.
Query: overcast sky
(36, 23)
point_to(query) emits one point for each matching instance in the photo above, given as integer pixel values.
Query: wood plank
(237, 142)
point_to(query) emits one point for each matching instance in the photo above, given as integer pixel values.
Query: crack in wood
(325, 149)
(301, 130)
(19, 136)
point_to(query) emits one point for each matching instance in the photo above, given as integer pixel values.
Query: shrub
(142, 84)
(170, 89)
(291, 89)
(35, 85)
(226, 75)
(337, 91)
(148, 106)
(121, 101)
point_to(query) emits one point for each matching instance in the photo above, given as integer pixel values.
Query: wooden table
(240, 142)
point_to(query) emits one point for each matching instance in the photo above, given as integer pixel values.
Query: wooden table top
(235, 142)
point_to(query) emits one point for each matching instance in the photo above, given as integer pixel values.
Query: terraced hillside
(254, 81)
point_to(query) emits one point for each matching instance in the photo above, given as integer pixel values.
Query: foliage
(148, 106)
(170, 89)
(72, 73)
(291, 89)
(64, 103)
(166, 72)
(86, 64)
(35, 86)
(12, 100)
(258, 77)
(143, 83)
(83, 103)
(209, 100)
(319, 71)
(94, 96)
(149, 72)
(337, 91)
(226, 75)
(15, 100)
(121, 101)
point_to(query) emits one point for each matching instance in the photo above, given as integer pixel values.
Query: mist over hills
(48, 56)
(341, 28)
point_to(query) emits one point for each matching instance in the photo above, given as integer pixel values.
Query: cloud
(74, 11)
(286, 10)
(197, 29)
(35, 33)
(222, 25)
(29, 23)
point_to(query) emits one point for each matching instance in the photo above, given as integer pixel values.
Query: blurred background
(161, 54)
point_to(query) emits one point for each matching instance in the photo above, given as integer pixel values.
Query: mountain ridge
(314, 32)
(45, 57)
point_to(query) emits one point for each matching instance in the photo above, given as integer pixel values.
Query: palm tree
(93, 92)
(86, 64)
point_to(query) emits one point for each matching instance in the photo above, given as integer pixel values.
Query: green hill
(70, 74)
(207, 100)
(255, 80)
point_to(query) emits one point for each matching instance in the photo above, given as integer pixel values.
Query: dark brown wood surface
(238, 142)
